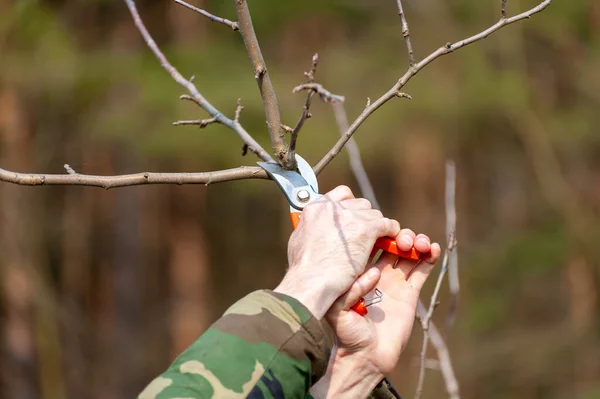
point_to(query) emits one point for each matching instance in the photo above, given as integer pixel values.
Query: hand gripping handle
(386, 244)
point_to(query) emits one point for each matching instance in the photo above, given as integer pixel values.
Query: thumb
(361, 287)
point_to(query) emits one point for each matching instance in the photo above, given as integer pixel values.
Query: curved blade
(307, 172)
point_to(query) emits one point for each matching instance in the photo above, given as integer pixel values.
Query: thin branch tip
(233, 25)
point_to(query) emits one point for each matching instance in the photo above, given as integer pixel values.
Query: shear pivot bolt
(303, 195)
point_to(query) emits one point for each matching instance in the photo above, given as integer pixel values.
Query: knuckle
(345, 190)
(365, 203)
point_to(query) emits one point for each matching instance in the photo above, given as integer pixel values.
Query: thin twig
(69, 169)
(267, 92)
(443, 354)
(453, 280)
(406, 34)
(202, 123)
(107, 182)
(310, 77)
(325, 94)
(412, 71)
(503, 8)
(450, 247)
(198, 98)
(214, 18)
(360, 174)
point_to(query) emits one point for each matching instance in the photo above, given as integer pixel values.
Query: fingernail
(406, 240)
(423, 241)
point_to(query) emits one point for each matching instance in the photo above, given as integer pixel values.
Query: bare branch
(453, 280)
(200, 122)
(503, 8)
(197, 97)
(406, 34)
(366, 188)
(412, 71)
(214, 18)
(107, 182)
(238, 111)
(450, 247)
(310, 77)
(325, 94)
(265, 86)
(438, 343)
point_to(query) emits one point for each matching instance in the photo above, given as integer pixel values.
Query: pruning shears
(300, 188)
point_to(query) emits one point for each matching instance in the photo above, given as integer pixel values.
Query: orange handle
(360, 307)
(295, 217)
(389, 245)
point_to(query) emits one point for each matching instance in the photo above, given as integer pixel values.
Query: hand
(331, 247)
(369, 347)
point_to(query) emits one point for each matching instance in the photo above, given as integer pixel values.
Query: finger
(340, 193)
(422, 243)
(405, 240)
(357, 204)
(418, 278)
(385, 227)
(361, 287)
(434, 254)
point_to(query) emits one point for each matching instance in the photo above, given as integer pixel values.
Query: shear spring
(376, 299)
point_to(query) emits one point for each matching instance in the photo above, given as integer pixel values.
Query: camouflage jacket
(267, 345)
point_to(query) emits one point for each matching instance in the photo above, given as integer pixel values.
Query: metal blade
(295, 187)
(307, 172)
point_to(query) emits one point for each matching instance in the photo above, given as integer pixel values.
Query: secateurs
(300, 189)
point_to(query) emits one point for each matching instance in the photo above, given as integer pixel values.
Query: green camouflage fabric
(267, 345)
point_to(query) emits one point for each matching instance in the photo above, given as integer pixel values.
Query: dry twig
(406, 34)
(450, 248)
(107, 182)
(189, 85)
(412, 71)
(214, 18)
(267, 92)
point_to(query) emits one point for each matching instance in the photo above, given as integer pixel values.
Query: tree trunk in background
(189, 271)
(127, 278)
(18, 257)
(76, 285)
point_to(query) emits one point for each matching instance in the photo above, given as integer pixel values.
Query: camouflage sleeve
(267, 345)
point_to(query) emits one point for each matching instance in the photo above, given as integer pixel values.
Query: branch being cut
(406, 34)
(412, 71)
(267, 92)
(214, 18)
(107, 182)
(191, 87)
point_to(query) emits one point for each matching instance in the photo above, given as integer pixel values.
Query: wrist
(311, 291)
(351, 375)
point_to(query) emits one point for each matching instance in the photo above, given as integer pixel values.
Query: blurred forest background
(101, 289)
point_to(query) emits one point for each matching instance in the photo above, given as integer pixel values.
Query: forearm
(266, 343)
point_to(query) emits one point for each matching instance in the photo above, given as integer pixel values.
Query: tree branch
(406, 34)
(310, 77)
(356, 164)
(412, 71)
(265, 86)
(450, 248)
(107, 182)
(189, 85)
(214, 18)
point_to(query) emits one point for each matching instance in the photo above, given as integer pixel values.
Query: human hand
(331, 247)
(369, 347)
